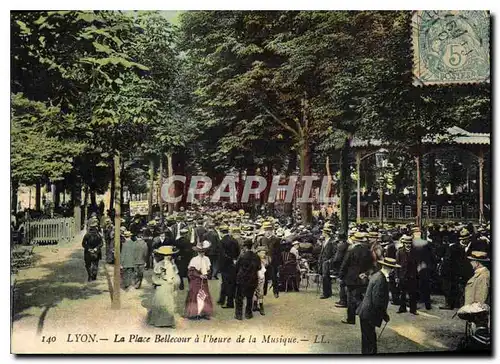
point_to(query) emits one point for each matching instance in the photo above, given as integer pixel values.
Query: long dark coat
(357, 260)
(230, 251)
(340, 254)
(215, 244)
(90, 241)
(247, 267)
(408, 271)
(456, 266)
(184, 256)
(374, 305)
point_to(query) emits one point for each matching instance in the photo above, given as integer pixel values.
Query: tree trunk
(122, 169)
(14, 198)
(85, 202)
(38, 196)
(251, 198)
(160, 182)
(240, 187)
(76, 200)
(269, 176)
(179, 169)
(115, 303)
(305, 170)
(170, 173)
(344, 186)
(56, 198)
(112, 187)
(418, 160)
(431, 186)
(93, 198)
(328, 180)
(151, 188)
(290, 169)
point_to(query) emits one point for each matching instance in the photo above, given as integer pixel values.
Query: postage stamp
(450, 47)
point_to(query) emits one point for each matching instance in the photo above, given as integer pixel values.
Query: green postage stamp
(451, 47)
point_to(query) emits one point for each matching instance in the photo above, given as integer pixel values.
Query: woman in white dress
(163, 312)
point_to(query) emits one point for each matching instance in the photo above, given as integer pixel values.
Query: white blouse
(200, 263)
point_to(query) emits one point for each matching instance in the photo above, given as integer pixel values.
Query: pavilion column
(419, 192)
(358, 189)
(481, 197)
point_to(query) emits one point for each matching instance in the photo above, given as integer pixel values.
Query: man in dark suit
(390, 252)
(342, 246)
(455, 271)
(213, 252)
(325, 261)
(230, 251)
(407, 274)
(373, 308)
(354, 272)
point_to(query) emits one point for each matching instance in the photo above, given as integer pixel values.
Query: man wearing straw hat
(325, 261)
(230, 251)
(456, 271)
(272, 243)
(354, 271)
(407, 274)
(478, 286)
(373, 308)
(92, 245)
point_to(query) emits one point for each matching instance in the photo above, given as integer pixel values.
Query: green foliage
(35, 156)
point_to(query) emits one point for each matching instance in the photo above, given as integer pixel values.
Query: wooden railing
(49, 231)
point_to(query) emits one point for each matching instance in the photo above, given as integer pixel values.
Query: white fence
(49, 231)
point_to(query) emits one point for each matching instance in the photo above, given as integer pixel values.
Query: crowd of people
(372, 265)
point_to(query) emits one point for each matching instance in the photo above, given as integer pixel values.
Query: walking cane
(382, 331)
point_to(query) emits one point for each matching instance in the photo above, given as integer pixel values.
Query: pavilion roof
(453, 135)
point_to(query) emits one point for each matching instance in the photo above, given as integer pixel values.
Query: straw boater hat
(202, 246)
(373, 235)
(479, 256)
(327, 229)
(261, 248)
(235, 229)
(464, 234)
(389, 262)
(127, 233)
(406, 239)
(267, 225)
(296, 242)
(359, 237)
(166, 250)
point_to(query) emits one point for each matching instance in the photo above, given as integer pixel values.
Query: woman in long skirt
(199, 302)
(166, 280)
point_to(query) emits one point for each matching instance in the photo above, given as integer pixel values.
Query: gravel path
(53, 301)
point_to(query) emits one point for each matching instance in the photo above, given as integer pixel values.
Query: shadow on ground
(65, 280)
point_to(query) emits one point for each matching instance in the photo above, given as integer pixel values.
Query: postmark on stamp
(450, 47)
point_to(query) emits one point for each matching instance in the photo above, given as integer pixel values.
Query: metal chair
(451, 212)
(444, 212)
(470, 212)
(389, 211)
(458, 211)
(433, 212)
(372, 213)
(425, 211)
(408, 212)
(397, 211)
